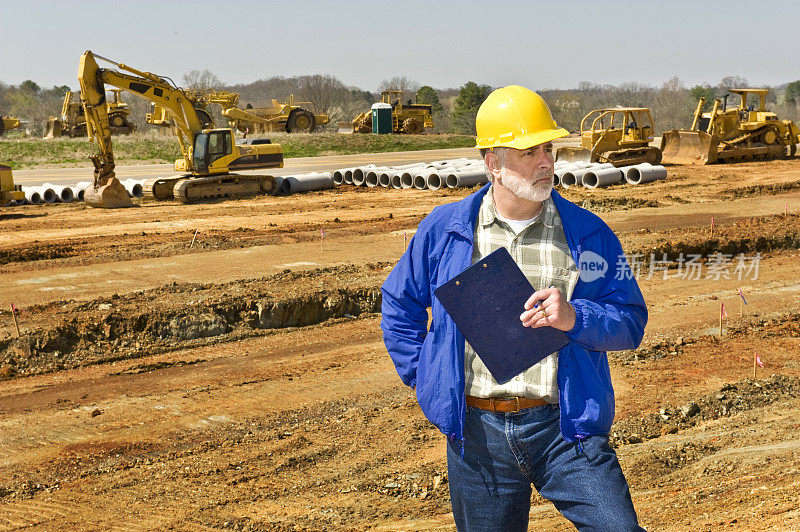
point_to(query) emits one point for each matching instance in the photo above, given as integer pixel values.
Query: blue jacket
(610, 315)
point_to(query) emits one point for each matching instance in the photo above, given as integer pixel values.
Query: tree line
(672, 103)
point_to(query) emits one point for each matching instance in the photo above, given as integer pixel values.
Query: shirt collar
(488, 212)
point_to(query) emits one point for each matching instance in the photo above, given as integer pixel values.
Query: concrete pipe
(644, 173)
(406, 180)
(466, 179)
(556, 180)
(47, 194)
(385, 179)
(573, 177)
(395, 181)
(134, 187)
(434, 181)
(602, 177)
(307, 182)
(600, 166)
(348, 176)
(32, 195)
(279, 186)
(420, 182)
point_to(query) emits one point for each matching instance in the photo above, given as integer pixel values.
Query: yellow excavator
(72, 122)
(209, 155)
(618, 135)
(729, 135)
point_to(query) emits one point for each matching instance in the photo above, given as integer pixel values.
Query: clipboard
(485, 302)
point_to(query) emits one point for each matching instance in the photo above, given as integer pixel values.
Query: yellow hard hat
(515, 117)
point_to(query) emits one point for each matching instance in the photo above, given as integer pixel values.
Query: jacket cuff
(579, 317)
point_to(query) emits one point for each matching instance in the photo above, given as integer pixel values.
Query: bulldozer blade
(54, 128)
(346, 127)
(112, 195)
(574, 155)
(688, 147)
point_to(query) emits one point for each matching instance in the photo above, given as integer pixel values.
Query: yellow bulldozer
(409, 118)
(7, 123)
(620, 136)
(288, 116)
(209, 155)
(72, 122)
(9, 191)
(732, 134)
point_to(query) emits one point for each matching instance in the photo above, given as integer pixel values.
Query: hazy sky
(443, 44)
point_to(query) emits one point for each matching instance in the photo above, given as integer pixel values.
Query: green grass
(141, 149)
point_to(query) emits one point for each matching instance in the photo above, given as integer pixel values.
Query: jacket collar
(578, 223)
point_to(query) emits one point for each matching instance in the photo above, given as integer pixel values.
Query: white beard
(524, 189)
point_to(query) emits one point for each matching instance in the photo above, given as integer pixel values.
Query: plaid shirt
(542, 253)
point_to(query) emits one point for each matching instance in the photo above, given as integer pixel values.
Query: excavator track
(194, 189)
(161, 188)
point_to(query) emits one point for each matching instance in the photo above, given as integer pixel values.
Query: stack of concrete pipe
(594, 175)
(450, 173)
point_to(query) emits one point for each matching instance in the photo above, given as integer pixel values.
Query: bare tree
(201, 79)
(400, 83)
(324, 91)
(733, 82)
(673, 106)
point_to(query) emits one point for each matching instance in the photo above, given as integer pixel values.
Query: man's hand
(548, 308)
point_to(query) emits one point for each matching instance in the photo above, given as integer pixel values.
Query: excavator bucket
(688, 147)
(574, 155)
(112, 195)
(53, 128)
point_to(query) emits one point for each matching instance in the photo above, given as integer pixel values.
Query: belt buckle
(517, 410)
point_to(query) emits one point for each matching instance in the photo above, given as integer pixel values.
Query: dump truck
(209, 155)
(7, 123)
(72, 122)
(619, 135)
(8, 190)
(732, 134)
(409, 118)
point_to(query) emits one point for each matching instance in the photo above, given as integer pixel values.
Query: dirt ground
(239, 382)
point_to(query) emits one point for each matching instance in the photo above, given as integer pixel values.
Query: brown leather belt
(504, 405)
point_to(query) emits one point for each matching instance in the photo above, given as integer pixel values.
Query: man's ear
(493, 163)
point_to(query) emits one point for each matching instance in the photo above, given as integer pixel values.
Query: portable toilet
(381, 118)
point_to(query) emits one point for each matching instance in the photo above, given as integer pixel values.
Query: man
(548, 427)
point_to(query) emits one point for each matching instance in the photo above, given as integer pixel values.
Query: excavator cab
(210, 146)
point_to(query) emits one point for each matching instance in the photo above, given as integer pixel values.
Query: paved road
(299, 165)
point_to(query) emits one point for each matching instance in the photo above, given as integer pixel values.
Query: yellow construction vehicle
(620, 136)
(208, 154)
(7, 123)
(9, 191)
(410, 118)
(288, 117)
(730, 135)
(72, 122)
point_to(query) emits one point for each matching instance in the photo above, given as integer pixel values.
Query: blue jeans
(490, 488)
